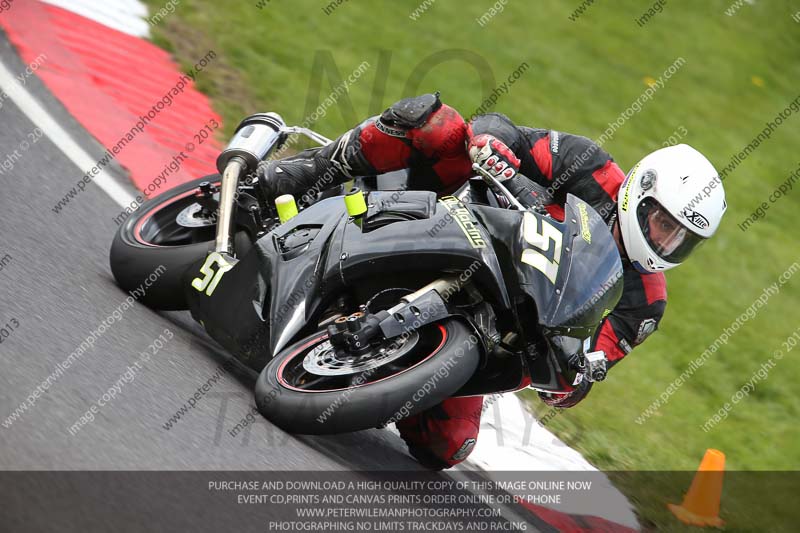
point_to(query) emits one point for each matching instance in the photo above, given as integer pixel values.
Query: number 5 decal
(541, 240)
(211, 277)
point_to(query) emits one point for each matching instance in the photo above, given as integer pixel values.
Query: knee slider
(407, 114)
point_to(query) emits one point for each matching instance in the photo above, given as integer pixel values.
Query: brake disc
(192, 217)
(324, 361)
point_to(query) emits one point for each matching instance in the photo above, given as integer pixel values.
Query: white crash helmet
(671, 202)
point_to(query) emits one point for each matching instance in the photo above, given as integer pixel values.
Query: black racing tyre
(152, 251)
(433, 364)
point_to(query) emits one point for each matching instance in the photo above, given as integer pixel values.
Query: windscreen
(572, 269)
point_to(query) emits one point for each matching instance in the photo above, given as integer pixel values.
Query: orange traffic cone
(700, 506)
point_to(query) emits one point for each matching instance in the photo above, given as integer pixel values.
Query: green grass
(739, 72)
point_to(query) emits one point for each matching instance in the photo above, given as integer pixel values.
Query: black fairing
(587, 283)
(232, 314)
(422, 235)
(294, 272)
(589, 279)
(305, 262)
(588, 268)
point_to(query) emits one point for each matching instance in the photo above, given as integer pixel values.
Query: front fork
(422, 307)
(255, 138)
(227, 199)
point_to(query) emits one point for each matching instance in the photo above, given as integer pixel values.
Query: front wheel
(310, 388)
(159, 241)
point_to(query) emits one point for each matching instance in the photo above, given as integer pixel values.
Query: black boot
(316, 169)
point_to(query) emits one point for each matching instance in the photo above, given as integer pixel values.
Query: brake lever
(502, 190)
(498, 187)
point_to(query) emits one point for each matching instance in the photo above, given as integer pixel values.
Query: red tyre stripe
(283, 382)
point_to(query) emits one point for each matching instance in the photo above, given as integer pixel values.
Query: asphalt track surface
(59, 287)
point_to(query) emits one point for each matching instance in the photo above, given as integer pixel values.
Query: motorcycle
(367, 306)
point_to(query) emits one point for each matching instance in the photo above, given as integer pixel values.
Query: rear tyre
(334, 398)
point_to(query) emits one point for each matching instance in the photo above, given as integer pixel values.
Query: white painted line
(122, 15)
(61, 138)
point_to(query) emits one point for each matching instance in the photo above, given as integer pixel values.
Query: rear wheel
(311, 388)
(160, 240)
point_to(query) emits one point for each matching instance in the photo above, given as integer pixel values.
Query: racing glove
(493, 156)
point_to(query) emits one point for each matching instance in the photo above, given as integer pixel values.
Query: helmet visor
(666, 236)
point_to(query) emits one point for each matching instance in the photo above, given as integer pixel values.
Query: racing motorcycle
(364, 306)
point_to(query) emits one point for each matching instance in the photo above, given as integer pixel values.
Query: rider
(671, 201)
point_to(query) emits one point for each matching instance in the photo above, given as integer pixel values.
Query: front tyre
(159, 241)
(310, 389)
